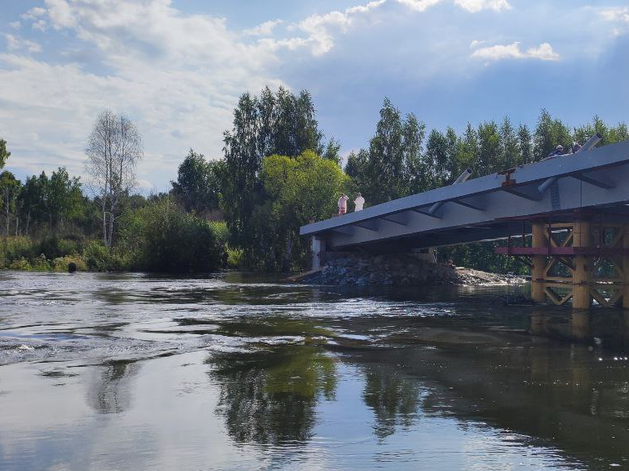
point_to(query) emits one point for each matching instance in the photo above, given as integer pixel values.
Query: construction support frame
(581, 262)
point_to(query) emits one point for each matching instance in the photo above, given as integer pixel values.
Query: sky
(177, 67)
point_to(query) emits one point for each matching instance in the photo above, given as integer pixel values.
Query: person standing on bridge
(343, 204)
(359, 202)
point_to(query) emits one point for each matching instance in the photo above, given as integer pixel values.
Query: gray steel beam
(487, 201)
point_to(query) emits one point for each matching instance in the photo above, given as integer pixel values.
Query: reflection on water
(393, 398)
(270, 397)
(138, 372)
(110, 390)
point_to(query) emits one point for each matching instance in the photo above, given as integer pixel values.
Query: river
(235, 372)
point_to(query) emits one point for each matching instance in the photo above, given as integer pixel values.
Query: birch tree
(113, 150)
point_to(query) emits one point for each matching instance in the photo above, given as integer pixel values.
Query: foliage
(9, 191)
(162, 238)
(198, 184)
(390, 168)
(114, 149)
(296, 190)
(274, 123)
(4, 153)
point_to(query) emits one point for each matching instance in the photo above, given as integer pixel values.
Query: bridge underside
(561, 189)
(579, 194)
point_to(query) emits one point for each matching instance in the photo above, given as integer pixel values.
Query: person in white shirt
(359, 202)
(343, 203)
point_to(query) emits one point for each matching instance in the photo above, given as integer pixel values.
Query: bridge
(573, 206)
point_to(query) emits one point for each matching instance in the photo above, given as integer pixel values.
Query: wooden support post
(625, 267)
(539, 263)
(583, 266)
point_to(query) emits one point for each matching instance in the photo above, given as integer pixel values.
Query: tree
(113, 151)
(393, 165)
(549, 133)
(489, 149)
(9, 191)
(64, 198)
(276, 123)
(525, 144)
(510, 152)
(296, 191)
(4, 153)
(197, 187)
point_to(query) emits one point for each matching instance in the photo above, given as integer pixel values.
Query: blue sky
(177, 67)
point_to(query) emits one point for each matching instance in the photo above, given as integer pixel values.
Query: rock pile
(351, 269)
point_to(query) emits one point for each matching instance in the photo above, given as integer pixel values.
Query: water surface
(131, 372)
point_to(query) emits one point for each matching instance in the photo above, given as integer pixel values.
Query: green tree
(525, 144)
(609, 134)
(437, 161)
(4, 153)
(197, 186)
(509, 149)
(489, 149)
(296, 190)
(548, 134)
(394, 156)
(276, 123)
(9, 191)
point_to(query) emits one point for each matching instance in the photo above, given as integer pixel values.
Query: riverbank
(397, 270)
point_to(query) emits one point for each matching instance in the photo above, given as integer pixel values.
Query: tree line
(278, 172)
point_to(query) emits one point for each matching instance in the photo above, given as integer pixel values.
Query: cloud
(264, 29)
(177, 76)
(616, 14)
(475, 6)
(322, 28)
(33, 13)
(15, 43)
(512, 51)
(419, 5)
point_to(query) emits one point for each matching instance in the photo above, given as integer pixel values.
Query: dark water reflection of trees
(393, 398)
(270, 397)
(544, 381)
(110, 388)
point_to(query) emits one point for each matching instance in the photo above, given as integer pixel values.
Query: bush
(220, 230)
(15, 248)
(235, 258)
(61, 263)
(96, 256)
(53, 247)
(20, 264)
(40, 263)
(161, 238)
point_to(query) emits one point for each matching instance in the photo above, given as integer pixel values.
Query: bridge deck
(495, 206)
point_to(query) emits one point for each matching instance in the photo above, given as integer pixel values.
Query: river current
(234, 372)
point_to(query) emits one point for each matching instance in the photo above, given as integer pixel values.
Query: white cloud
(264, 29)
(512, 51)
(33, 13)
(40, 25)
(419, 5)
(321, 29)
(616, 14)
(475, 6)
(177, 76)
(619, 17)
(15, 43)
(15, 24)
